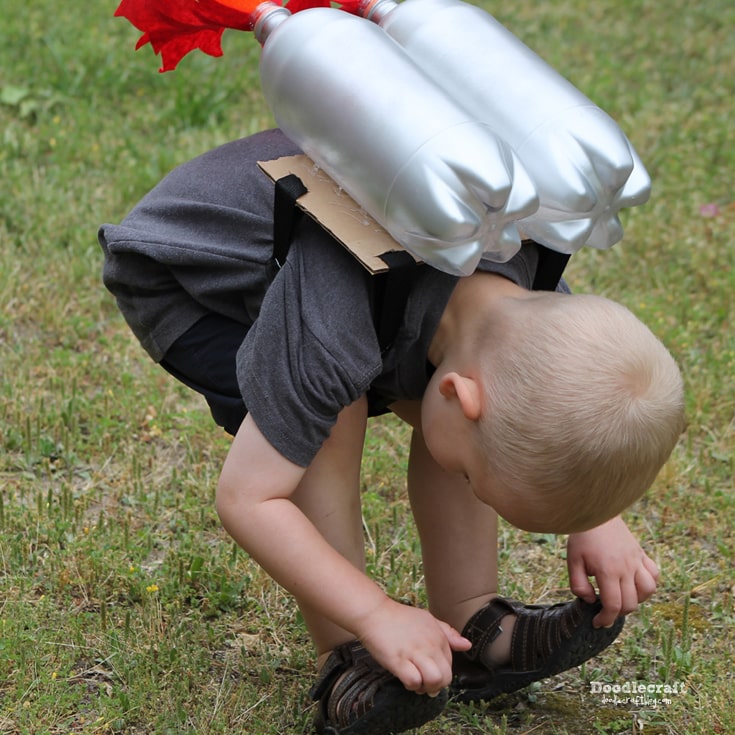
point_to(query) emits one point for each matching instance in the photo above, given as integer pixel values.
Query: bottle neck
(376, 10)
(266, 18)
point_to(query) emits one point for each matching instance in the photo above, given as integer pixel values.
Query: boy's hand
(412, 644)
(625, 574)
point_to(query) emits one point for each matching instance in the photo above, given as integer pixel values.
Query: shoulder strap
(390, 295)
(285, 215)
(551, 265)
(389, 289)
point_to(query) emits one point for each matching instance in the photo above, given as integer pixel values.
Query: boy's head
(582, 407)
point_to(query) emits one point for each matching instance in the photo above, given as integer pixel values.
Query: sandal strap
(484, 626)
(540, 630)
(546, 640)
(348, 683)
(357, 696)
(354, 694)
(339, 660)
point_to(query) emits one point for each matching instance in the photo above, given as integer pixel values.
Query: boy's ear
(467, 391)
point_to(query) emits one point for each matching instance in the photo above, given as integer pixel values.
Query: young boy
(555, 411)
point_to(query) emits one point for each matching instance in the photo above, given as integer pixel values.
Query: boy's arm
(255, 506)
(625, 574)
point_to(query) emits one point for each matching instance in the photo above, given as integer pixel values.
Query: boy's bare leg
(459, 537)
(329, 496)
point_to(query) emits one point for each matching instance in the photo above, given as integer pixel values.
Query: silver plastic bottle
(440, 182)
(584, 168)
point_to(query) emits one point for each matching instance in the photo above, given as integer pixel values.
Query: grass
(124, 608)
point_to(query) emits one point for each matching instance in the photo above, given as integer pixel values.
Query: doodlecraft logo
(637, 693)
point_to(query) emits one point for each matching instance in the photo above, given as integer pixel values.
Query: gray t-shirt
(201, 243)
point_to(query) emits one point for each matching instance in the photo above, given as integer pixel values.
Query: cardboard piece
(339, 214)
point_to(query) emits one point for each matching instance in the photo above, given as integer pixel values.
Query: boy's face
(451, 439)
(518, 510)
(452, 451)
(530, 511)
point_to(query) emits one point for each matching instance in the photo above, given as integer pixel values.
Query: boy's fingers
(410, 677)
(580, 584)
(652, 567)
(434, 679)
(645, 584)
(629, 601)
(457, 642)
(605, 618)
(585, 591)
(425, 676)
(611, 599)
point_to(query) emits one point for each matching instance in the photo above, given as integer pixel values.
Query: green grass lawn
(124, 608)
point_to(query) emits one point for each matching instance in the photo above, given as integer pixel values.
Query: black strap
(285, 215)
(551, 265)
(390, 294)
(389, 290)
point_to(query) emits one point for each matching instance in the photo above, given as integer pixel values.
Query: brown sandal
(547, 639)
(357, 696)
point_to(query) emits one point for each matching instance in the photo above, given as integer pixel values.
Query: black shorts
(204, 358)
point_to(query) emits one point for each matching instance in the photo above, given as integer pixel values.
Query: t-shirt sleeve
(313, 349)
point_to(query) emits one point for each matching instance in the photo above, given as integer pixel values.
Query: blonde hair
(584, 407)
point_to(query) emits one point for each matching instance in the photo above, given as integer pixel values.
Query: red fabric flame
(176, 27)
